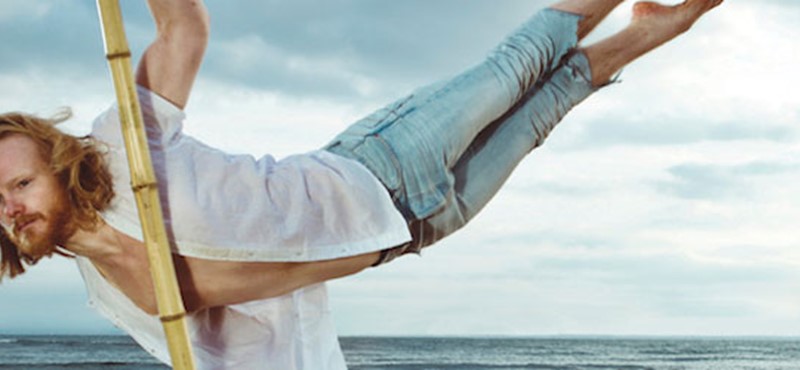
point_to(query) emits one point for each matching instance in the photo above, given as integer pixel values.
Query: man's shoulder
(106, 127)
(157, 112)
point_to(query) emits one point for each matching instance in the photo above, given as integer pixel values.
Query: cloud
(724, 81)
(41, 36)
(701, 182)
(354, 48)
(784, 3)
(337, 50)
(639, 128)
(552, 290)
(264, 66)
(661, 205)
(713, 181)
(13, 9)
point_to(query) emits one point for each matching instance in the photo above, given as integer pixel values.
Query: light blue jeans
(446, 149)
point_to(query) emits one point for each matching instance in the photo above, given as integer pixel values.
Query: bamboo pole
(145, 187)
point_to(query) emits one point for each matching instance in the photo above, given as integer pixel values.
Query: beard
(32, 244)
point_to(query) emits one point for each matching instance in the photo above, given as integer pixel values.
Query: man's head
(51, 184)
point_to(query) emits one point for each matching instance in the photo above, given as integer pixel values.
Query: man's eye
(23, 183)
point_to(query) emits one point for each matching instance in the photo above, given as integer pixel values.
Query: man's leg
(652, 25)
(436, 125)
(496, 151)
(537, 47)
(411, 144)
(592, 11)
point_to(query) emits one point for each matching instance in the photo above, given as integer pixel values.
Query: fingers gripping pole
(145, 187)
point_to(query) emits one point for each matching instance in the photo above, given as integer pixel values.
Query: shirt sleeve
(163, 120)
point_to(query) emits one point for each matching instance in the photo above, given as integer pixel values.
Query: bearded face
(35, 211)
(36, 235)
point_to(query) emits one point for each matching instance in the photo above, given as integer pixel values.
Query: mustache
(19, 222)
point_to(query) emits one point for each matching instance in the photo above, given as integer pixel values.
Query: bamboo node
(175, 317)
(122, 54)
(137, 187)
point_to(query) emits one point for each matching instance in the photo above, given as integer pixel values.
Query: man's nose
(12, 208)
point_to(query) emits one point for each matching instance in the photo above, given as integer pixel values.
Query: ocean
(429, 353)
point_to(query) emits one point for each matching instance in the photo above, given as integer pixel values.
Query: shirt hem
(260, 254)
(322, 253)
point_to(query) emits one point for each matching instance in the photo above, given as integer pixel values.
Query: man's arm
(169, 65)
(209, 283)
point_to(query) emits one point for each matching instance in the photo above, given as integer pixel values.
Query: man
(255, 239)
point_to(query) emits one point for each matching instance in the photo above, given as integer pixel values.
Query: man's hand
(170, 64)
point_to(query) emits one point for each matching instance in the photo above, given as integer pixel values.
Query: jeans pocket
(386, 116)
(379, 157)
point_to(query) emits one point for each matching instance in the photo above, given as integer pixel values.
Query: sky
(663, 205)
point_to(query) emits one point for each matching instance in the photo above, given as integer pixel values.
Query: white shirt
(307, 207)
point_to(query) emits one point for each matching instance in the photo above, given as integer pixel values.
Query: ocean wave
(67, 364)
(71, 341)
(483, 366)
(121, 353)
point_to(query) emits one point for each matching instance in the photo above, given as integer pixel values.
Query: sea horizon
(483, 336)
(478, 352)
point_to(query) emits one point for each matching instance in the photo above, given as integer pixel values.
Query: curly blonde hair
(80, 167)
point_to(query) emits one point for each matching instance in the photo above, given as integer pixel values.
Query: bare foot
(662, 23)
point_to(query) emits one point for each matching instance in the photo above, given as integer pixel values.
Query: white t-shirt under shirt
(308, 207)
